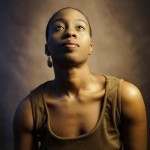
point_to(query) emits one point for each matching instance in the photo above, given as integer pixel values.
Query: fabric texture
(104, 136)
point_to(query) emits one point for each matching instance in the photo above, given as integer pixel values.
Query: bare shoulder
(23, 126)
(130, 93)
(134, 120)
(23, 119)
(132, 101)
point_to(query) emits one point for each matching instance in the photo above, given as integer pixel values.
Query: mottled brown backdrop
(121, 39)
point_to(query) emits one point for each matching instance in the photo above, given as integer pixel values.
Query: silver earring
(49, 62)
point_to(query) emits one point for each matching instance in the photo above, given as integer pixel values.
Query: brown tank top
(104, 136)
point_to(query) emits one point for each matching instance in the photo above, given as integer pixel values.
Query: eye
(59, 28)
(80, 28)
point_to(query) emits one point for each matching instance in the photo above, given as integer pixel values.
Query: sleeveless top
(104, 136)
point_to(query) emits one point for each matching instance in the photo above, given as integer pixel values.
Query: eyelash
(60, 27)
(80, 27)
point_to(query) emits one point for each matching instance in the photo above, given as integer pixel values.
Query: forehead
(69, 14)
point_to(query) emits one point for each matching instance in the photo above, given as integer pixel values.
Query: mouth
(70, 44)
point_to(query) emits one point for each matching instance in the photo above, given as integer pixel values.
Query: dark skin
(76, 92)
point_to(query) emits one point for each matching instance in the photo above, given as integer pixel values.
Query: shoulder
(23, 126)
(132, 102)
(24, 112)
(130, 93)
(23, 119)
(134, 120)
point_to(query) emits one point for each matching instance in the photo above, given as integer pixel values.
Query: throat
(72, 86)
(72, 79)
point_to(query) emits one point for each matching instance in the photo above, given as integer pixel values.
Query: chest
(73, 118)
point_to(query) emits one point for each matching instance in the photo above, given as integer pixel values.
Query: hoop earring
(49, 62)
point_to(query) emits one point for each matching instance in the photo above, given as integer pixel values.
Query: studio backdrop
(121, 43)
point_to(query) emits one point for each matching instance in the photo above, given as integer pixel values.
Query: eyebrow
(83, 21)
(63, 20)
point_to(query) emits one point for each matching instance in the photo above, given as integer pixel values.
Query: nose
(70, 33)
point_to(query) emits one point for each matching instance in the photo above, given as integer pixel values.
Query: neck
(72, 79)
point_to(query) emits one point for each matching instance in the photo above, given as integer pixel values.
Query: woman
(78, 110)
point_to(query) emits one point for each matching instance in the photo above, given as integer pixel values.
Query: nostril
(74, 35)
(70, 34)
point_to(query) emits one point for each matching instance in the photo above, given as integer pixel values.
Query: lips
(70, 44)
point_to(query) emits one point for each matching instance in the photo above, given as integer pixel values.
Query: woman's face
(69, 38)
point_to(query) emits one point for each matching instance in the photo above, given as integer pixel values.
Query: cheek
(86, 43)
(52, 43)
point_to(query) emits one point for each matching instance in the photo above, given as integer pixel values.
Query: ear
(91, 49)
(46, 50)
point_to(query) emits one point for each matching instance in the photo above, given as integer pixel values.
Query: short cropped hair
(49, 22)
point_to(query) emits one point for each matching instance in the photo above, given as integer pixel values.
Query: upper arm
(134, 125)
(23, 126)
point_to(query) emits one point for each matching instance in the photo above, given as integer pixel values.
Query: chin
(70, 60)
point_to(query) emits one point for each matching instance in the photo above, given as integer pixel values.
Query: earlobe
(91, 49)
(46, 50)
